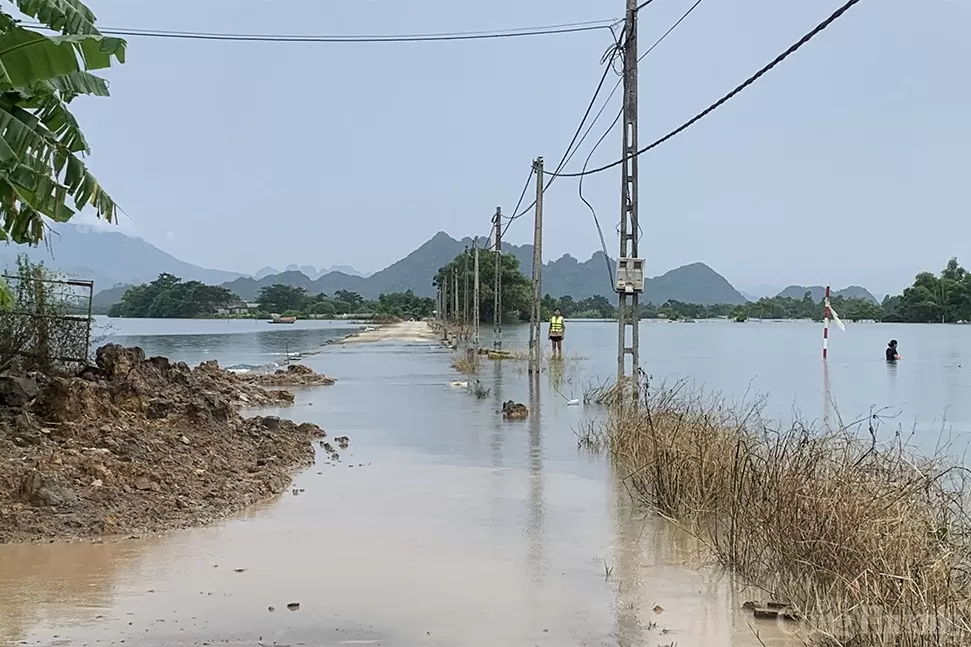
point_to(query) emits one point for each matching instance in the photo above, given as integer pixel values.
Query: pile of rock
(293, 375)
(137, 445)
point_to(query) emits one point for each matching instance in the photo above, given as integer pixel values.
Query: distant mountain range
(109, 258)
(310, 271)
(115, 261)
(696, 283)
(818, 292)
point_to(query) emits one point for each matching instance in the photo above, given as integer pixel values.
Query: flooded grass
(465, 365)
(592, 436)
(867, 540)
(603, 394)
(479, 390)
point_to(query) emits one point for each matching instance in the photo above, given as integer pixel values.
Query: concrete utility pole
(443, 300)
(534, 321)
(441, 311)
(630, 267)
(497, 284)
(455, 294)
(465, 279)
(475, 298)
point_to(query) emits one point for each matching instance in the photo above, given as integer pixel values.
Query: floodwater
(233, 342)
(445, 525)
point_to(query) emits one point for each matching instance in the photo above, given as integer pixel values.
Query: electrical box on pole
(630, 275)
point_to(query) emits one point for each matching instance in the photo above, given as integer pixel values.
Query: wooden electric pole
(497, 284)
(534, 321)
(630, 267)
(475, 298)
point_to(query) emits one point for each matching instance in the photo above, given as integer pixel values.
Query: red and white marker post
(827, 311)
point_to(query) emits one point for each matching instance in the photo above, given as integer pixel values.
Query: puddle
(443, 525)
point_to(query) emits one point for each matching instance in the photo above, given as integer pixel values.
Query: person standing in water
(892, 354)
(557, 330)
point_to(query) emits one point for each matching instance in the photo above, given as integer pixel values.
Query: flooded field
(445, 525)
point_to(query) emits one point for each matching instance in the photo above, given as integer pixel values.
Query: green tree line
(945, 298)
(169, 297)
(516, 291)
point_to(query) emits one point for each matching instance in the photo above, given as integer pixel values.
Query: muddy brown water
(442, 525)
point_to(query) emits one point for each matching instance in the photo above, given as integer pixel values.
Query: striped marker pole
(826, 324)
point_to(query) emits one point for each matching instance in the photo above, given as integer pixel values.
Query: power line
(607, 61)
(620, 80)
(668, 32)
(593, 212)
(602, 107)
(620, 113)
(568, 156)
(517, 32)
(752, 79)
(519, 203)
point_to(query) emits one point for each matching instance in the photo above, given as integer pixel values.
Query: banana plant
(42, 173)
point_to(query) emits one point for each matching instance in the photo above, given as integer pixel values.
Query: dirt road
(411, 332)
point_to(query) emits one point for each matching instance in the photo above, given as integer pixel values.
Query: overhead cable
(607, 61)
(593, 212)
(517, 32)
(740, 88)
(522, 196)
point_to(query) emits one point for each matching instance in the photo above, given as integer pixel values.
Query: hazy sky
(844, 165)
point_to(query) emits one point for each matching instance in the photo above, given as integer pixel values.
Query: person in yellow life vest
(557, 330)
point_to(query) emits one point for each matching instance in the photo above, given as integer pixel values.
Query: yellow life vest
(556, 324)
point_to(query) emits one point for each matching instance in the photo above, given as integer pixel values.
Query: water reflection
(60, 584)
(535, 528)
(624, 573)
(230, 342)
(827, 397)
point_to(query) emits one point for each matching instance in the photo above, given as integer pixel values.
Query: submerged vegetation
(465, 364)
(869, 541)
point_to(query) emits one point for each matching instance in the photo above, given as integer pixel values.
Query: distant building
(234, 308)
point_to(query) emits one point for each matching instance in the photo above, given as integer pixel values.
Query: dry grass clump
(870, 542)
(465, 365)
(604, 394)
(546, 356)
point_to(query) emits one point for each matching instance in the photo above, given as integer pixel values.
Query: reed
(869, 541)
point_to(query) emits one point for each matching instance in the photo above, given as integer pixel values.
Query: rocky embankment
(139, 445)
